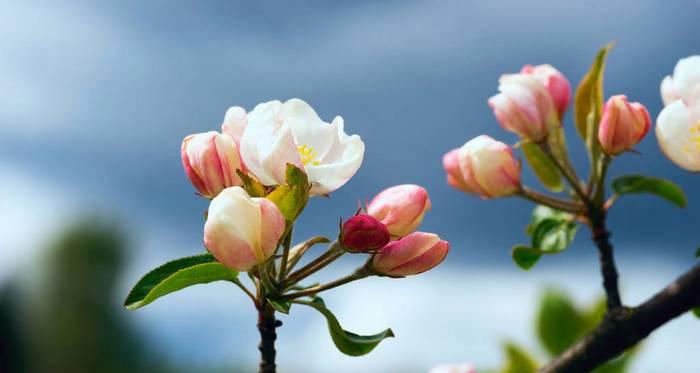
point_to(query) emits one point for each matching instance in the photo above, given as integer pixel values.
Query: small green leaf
(347, 342)
(525, 257)
(252, 186)
(553, 235)
(646, 184)
(543, 166)
(177, 275)
(559, 323)
(292, 196)
(541, 213)
(696, 312)
(517, 360)
(280, 305)
(589, 94)
(697, 253)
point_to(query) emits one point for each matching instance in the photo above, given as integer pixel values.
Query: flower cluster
(242, 231)
(532, 104)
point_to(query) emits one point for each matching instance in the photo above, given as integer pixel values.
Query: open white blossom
(291, 132)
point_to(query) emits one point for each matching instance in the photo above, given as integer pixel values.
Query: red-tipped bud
(411, 255)
(623, 125)
(363, 233)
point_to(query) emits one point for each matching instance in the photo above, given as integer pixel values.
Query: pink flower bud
(555, 82)
(411, 255)
(210, 160)
(363, 233)
(400, 208)
(453, 368)
(241, 231)
(622, 125)
(483, 166)
(524, 106)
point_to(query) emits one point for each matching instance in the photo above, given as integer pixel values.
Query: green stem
(285, 254)
(603, 165)
(550, 201)
(360, 273)
(566, 172)
(268, 284)
(333, 253)
(238, 283)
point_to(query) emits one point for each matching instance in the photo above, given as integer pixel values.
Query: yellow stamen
(694, 139)
(307, 154)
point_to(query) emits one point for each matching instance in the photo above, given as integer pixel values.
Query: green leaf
(543, 166)
(252, 186)
(697, 253)
(559, 323)
(553, 234)
(347, 342)
(292, 196)
(525, 257)
(696, 312)
(517, 360)
(588, 102)
(280, 305)
(541, 213)
(645, 184)
(177, 275)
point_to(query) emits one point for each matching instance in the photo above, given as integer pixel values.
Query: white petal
(267, 144)
(307, 128)
(341, 161)
(668, 91)
(677, 141)
(235, 122)
(686, 76)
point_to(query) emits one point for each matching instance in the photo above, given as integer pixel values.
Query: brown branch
(267, 325)
(601, 237)
(623, 327)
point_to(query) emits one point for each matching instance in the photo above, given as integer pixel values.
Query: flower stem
(550, 201)
(333, 253)
(360, 273)
(285, 254)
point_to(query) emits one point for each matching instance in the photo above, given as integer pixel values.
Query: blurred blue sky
(98, 97)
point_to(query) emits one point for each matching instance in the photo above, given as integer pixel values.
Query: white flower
(453, 368)
(678, 132)
(685, 82)
(279, 133)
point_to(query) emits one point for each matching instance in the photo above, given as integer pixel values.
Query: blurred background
(98, 96)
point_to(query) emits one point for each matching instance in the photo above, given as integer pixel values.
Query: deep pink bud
(411, 255)
(483, 166)
(401, 208)
(622, 125)
(555, 82)
(363, 233)
(210, 161)
(524, 106)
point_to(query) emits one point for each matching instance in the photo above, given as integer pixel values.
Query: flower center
(694, 138)
(307, 154)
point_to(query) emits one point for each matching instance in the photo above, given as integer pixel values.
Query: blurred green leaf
(292, 196)
(644, 184)
(525, 257)
(594, 314)
(517, 360)
(280, 305)
(177, 275)
(252, 186)
(696, 312)
(542, 212)
(697, 253)
(553, 235)
(543, 166)
(347, 342)
(559, 323)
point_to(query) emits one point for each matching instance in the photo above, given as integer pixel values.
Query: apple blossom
(555, 82)
(210, 161)
(622, 125)
(401, 208)
(291, 132)
(524, 106)
(453, 368)
(483, 166)
(685, 82)
(363, 233)
(411, 255)
(241, 231)
(678, 133)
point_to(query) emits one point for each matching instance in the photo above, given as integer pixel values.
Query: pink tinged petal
(194, 177)
(555, 82)
(450, 162)
(401, 208)
(227, 152)
(686, 76)
(668, 91)
(412, 254)
(489, 167)
(677, 130)
(272, 226)
(235, 122)
(229, 250)
(623, 125)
